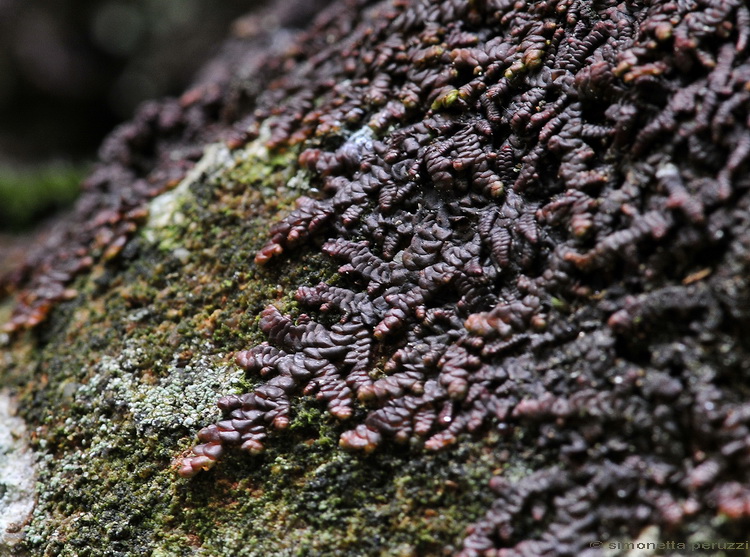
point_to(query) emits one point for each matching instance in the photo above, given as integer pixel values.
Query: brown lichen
(524, 198)
(538, 158)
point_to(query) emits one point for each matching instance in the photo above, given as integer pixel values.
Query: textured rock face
(541, 215)
(17, 477)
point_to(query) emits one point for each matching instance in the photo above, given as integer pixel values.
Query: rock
(17, 477)
(421, 250)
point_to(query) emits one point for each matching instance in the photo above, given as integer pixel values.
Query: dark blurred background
(70, 70)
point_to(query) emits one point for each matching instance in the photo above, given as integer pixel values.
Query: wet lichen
(521, 247)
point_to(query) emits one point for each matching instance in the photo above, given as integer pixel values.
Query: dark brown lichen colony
(542, 217)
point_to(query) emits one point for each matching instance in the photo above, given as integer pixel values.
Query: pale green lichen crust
(125, 373)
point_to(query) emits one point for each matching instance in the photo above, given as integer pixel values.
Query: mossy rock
(507, 311)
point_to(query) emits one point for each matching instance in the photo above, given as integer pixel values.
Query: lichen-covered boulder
(464, 278)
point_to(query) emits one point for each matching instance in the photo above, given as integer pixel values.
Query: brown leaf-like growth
(517, 235)
(523, 197)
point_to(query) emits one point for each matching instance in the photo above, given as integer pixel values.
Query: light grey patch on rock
(17, 477)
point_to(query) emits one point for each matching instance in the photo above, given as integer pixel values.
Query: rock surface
(465, 278)
(17, 476)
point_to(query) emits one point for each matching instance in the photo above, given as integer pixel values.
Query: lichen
(492, 227)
